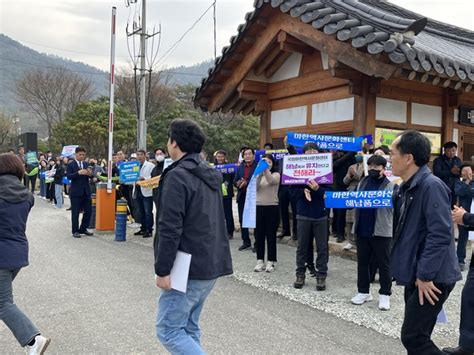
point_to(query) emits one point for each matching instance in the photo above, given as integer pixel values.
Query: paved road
(95, 295)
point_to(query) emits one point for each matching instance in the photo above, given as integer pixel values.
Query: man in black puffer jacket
(190, 219)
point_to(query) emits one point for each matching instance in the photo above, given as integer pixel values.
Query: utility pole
(142, 119)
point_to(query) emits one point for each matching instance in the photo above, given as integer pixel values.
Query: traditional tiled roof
(409, 39)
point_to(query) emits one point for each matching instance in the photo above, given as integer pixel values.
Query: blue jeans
(22, 328)
(462, 243)
(145, 208)
(58, 190)
(177, 323)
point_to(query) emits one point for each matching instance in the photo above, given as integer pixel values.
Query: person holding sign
(466, 328)
(312, 217)
(241, 180)
(423, 257)
(464, 188)
(373, 231)
(268, 216)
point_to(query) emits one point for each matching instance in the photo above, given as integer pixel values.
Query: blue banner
(350, 144)
(249, 218)
(359, 199)
(369, 138)
(226, 168)
(129, 172)
(277, 154)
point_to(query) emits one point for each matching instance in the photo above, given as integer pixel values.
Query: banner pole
(111, 105)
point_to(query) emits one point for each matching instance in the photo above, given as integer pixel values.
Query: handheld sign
(31, 158)
(69, 150)
(299, 169)
(226, 168)
(129, 172)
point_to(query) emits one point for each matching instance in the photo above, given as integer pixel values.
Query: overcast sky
(80, 29)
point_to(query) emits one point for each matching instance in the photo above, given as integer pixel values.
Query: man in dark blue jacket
(190, 219)
(464, 189)
(80, 193)
(423, 255)
(312, 217)
(448, 167)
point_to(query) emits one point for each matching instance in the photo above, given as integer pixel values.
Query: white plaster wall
(426, 115)
(289, 69)
(390, 110)
(456, 136)
(333, 111)
(456, 115)
(290, 117)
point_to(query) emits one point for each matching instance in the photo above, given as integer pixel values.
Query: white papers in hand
(442, 317)
(180, 272)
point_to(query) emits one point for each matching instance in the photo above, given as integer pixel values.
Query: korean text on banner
(69, 150)
(129, 172)
(249, 217)
(352, 144)
(299, 169)
(359, 199)
(277, 154)
(226, 168)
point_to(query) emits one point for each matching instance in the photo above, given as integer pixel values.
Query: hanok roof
(410, 40)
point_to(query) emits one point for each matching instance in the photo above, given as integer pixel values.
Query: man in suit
(78, 172)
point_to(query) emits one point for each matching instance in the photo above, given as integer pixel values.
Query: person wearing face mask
(373, 230)
(160, 156)
(268, 216)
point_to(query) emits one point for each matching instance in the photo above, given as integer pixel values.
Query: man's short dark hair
(310, 145)
(80, 150)
(268, 145)
(449, 145)
(247, 148)
(414, 143)
(10, 164)
(377, 160)
(188, 135)
(162, 149)
(383, 148)
(141, 151)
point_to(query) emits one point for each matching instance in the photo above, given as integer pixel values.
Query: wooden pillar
(360, 90)
(374, 89)
(265, 136)
(447, 122)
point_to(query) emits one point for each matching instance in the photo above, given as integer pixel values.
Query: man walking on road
(423, 256)
(190, 219)
(80, 193)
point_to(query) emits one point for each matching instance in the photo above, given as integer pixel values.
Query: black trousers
(268, 219)
(229, 215)
(50, 192)
(307, 232)
(420, 321)
(244, 231)
(78, 204)
(339, 223)
(127, 193)
(285, 200)
(30, 183)
(466, 329)
(379, 247)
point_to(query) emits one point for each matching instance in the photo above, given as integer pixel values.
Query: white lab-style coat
(145, 172)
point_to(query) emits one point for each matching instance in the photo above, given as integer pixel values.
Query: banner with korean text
(226, 168)
(359, 199)
(298, 169)
(352, 144)
(249, 217)
(277, 154)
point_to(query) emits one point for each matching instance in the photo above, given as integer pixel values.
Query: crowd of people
(411, 243)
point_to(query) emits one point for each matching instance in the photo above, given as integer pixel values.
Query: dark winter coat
(15, 205)
(423, 245)
(191, 219)
(242, 193)
(315, 209)
(442, 168)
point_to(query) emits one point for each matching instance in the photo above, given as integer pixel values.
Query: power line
(173, 47)
(91, 73)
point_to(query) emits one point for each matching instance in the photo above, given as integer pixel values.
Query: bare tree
(6, 127)
(52, 93)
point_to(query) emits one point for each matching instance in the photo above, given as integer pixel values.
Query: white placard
(298, 169)
(180, 272)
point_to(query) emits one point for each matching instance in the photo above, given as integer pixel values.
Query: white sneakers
(270, 266)
(261, 266)
(384, 302)
(361, 298)
(39, 347)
